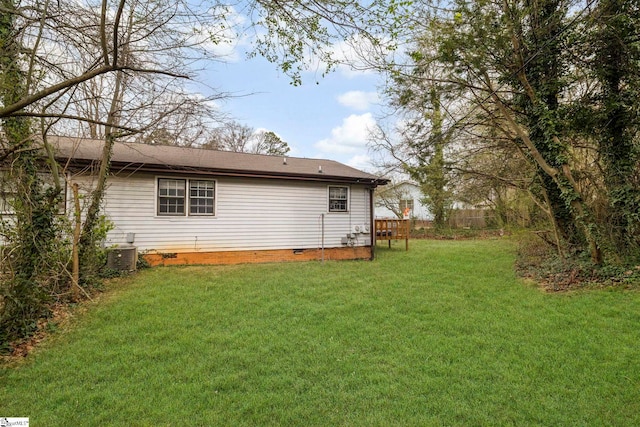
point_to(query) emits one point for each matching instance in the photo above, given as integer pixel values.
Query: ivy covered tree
(422, 140)
(432, 173)
(28, 272)
(555, 81)
(612, 52)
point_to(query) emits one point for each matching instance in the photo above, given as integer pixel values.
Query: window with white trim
(171, 196)
(8, 192)
(406, 204)
(181, 197)
(201, 197)
(6, 201)
(338, 199)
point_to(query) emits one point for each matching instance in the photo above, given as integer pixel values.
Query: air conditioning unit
(122, 259)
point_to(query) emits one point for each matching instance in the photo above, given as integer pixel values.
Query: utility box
(122, 259)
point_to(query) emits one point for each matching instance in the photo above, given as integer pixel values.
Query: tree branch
(103, 33)
(17, 106)
(72, 117)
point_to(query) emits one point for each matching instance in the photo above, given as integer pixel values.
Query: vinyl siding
(251, 214)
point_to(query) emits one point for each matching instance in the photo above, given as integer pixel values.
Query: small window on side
(338, 199)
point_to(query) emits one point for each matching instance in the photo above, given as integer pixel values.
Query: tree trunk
(75, 275)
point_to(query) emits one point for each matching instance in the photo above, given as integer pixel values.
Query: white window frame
(212, 198)
(6, 194)
(186, 198)
(347, 200)
(6, 207)
(6, 197)
(404, 203)
(185, 206)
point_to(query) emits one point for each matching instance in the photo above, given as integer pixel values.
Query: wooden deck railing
(393, 229)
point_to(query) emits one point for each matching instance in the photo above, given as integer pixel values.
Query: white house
(185, 206)
(402, 197)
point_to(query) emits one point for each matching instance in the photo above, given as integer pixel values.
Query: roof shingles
(144, 157)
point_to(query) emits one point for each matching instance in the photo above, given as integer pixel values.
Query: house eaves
(136, 157)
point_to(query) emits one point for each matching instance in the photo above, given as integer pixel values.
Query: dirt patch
(458, 234)
(61, 315)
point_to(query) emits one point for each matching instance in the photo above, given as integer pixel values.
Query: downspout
(372, 225)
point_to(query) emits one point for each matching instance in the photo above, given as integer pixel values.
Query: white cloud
(359, 55)
(349, 138)
(260, 130)
(358, 100)
(360, 161)
(353, 57)
(222, 36)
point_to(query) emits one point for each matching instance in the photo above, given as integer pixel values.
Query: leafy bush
(538, 260)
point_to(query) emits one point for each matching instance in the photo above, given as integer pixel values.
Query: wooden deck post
(407, 223)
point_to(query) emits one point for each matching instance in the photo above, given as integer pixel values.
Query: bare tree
(233, 136)
(239, 138)
(391, 196)
(106, 70)
(267, 142)
(114, 69)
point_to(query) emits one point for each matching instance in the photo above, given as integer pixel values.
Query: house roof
(404, 183)
(163, 158)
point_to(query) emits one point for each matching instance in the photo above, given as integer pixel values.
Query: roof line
(163, 168)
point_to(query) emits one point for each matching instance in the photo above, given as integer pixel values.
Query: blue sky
(326, 117)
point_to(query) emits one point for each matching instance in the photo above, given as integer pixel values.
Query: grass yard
(441, 335)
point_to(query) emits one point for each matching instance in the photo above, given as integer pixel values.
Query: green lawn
(441, 335)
